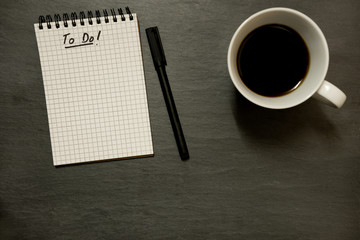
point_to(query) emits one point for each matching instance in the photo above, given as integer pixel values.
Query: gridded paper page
(95, 90)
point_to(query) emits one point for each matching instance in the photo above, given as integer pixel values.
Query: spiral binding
(82, 17)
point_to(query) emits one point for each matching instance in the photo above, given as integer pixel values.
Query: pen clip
(156, 47)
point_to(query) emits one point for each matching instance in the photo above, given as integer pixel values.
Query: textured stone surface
(253, 173)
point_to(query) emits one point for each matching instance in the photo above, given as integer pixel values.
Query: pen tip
(184, 156)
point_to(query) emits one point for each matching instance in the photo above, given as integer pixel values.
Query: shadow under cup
(318, 56)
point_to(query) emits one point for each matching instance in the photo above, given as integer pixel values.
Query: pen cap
(156, 47)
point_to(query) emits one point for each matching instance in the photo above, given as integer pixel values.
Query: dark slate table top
(253, 173)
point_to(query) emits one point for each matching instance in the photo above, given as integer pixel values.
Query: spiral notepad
(94, 85)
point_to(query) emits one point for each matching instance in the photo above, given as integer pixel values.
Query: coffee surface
(273, 60)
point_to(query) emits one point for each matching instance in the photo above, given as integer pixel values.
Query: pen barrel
(173, 115)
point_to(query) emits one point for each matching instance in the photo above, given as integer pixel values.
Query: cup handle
(330, 94)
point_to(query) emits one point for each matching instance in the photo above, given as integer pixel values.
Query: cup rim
(270, 104)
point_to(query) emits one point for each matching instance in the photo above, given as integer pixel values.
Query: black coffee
(273, 60)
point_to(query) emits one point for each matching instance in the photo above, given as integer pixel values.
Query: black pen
(158, 56)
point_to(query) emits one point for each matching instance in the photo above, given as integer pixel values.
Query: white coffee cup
(313, 85)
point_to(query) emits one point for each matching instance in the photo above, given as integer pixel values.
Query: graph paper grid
(95, 93)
